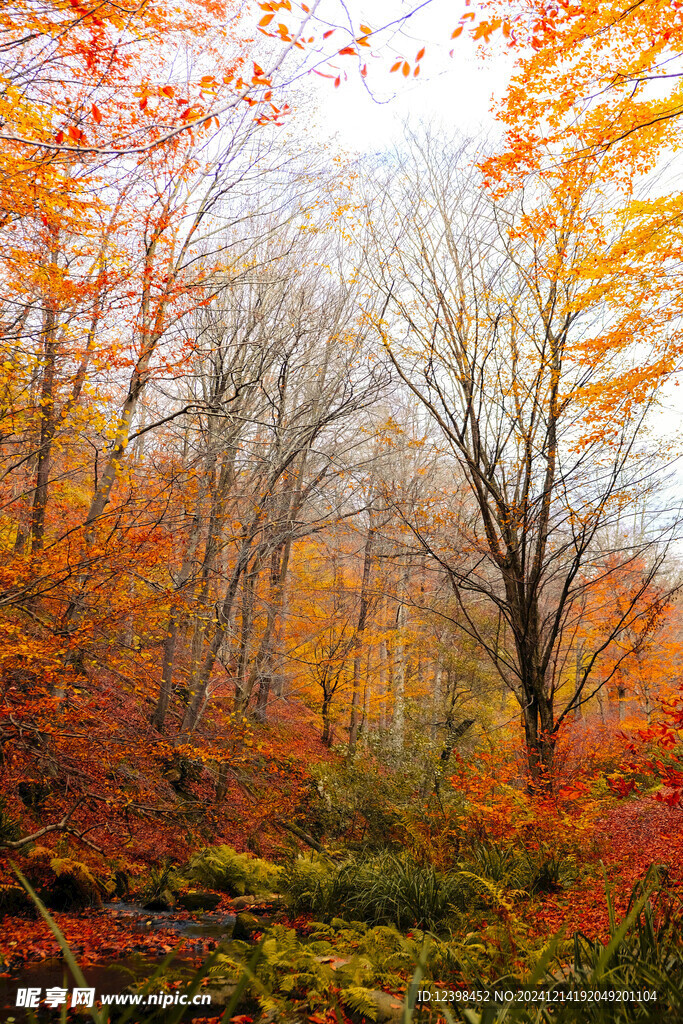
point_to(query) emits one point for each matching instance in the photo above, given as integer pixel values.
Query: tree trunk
(264, 667)
(47, 429)
(399, 675)
(169, 644)
(358, 640)
(327, 726)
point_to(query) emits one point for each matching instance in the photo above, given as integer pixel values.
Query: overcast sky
(369, 115)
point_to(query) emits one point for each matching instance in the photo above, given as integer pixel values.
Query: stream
(115, 976)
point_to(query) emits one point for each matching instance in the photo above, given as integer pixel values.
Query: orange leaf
(364, 70)
(366, 30)
(416, 72)
(97, 117)
(347, 50)
(457, 32)
(337, 82)
(420, 54)
(406, 68)
(397, 65)
(266, 20)
(330, 32)
(168, 90)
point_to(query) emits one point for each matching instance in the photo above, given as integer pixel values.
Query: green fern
(360, 1000)
(222, 868)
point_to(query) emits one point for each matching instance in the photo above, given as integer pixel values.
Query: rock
(389, 1008)
(246, 926)
(196, 900)
(335, 962)
(62, 883)
(164, 901)
(244, 902)
(15, 900)
(273, 900)
(221, 992)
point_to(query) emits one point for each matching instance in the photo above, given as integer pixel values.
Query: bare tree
(484, 323)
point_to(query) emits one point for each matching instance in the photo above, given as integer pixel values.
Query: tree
(486, 320)
(307, 368)
(590, 78)
(596, 95)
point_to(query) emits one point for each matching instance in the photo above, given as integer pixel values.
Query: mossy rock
(195, 900)
(247, 925)
(14, 900)
(62, 883)
(164, 900)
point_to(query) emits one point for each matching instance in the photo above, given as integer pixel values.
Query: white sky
(456, 91)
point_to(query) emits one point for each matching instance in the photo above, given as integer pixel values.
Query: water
(115, 976)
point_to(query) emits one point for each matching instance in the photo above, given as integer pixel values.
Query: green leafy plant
(517, 869)
(390, 888)
(10, 830)
(222, 868)
(643, 955)
(161, 884)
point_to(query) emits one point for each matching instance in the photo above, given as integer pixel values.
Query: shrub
(161, 886)
(515, 868)
(388, 889)
(237, 874)
(644, 954)
(307, 883)
(10, 830)
(62, 883)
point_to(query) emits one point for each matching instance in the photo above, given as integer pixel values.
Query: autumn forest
(341, 517)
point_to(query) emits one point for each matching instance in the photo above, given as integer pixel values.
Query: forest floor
(631, 837)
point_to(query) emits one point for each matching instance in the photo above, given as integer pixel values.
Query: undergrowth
(345, 964)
